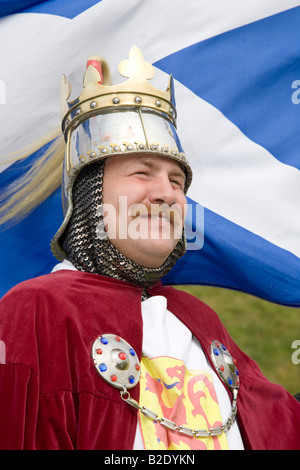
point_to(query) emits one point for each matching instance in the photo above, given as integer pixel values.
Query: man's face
(144, 206)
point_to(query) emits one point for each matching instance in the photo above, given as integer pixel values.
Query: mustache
(172, 214)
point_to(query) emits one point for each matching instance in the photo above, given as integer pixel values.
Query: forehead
(121, 163)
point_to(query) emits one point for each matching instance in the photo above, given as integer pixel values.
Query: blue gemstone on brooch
(216, 352)
(132, 351)
(103, 367)
(104, 340)
(131, 379)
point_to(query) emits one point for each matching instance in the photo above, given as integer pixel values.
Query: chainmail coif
(90, 252)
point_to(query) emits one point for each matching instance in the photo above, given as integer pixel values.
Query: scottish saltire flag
(237, 82)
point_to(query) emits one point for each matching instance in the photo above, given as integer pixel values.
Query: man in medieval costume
(99, 354)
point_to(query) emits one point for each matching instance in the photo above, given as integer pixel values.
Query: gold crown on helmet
(98, 94)
(130, 117)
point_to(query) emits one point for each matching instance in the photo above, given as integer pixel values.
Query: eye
(178, 183)
(142, 173)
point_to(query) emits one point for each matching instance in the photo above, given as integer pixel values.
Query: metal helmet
(125, 119)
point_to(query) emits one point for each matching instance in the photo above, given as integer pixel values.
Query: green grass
(263, 330)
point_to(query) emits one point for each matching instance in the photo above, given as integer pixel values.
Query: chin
(153, 253)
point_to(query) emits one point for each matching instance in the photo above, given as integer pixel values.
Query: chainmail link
(86, 245)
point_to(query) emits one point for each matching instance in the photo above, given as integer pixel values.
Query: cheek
(182, 205)
(112, 192)
(132, 193)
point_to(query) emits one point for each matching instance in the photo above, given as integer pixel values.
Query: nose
(162, 191)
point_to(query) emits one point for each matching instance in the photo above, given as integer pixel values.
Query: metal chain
(125, 395)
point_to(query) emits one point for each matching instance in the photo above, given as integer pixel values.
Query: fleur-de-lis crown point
(136, 67)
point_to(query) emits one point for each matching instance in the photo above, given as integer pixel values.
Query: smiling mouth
(161, 215)
(160, 218)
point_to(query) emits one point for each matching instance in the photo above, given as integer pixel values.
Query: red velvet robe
(51, 396)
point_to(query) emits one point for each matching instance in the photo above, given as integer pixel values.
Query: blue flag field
(236, 67)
